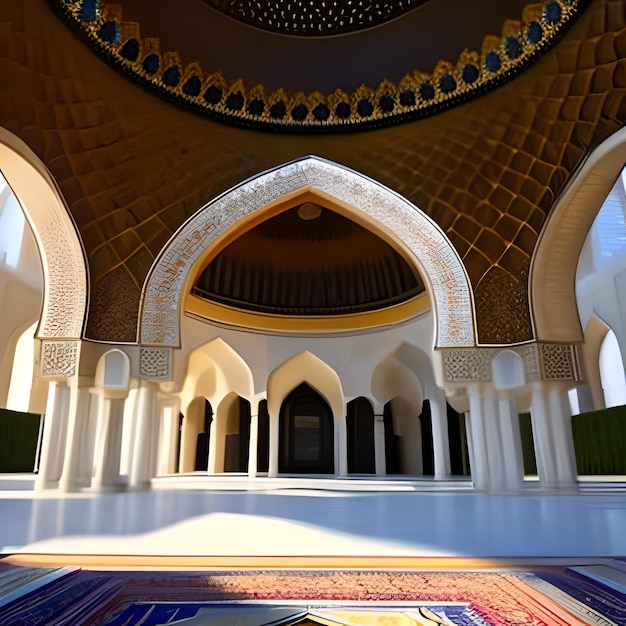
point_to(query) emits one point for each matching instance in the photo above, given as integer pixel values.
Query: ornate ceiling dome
(309, 260)
(313, 17)
(431, 58)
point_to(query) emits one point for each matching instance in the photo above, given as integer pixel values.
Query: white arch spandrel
(63, 261)
(305, 368)
(217, 362)
(440, 264)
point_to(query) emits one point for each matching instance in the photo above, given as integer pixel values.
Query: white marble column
(497, 480)
(253, 446)
(140, 469)
(168, 436)
(542, 437)
(108, 447)
(478, 455)
(379, 446)
(511, 442)
(213, 465)
(561, 425)
(273, 447)
(155, 437)
(77, 415)
(341, 449)
(54, 430)
(88, 439)
(585, 399)
(470, 442)
(439, 420)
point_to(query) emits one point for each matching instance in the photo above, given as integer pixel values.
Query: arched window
(507, 370)
(612, 371)
(113, 370)
(12, 224)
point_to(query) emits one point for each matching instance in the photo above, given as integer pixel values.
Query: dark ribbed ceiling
(309, 260)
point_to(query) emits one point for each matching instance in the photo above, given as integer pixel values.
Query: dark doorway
(459, 455)
(392, 443)
(360, 429)
(306, 433)
(179, 441)
(428, 452)
(263, 443)
(237, 443)
(202, 441)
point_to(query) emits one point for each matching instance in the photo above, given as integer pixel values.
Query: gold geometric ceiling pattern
(132, 167)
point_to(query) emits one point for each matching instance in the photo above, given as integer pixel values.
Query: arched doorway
(360, 428)
(306, 433)
(263, 440)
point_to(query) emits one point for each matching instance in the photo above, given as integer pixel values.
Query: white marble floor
(315, 522)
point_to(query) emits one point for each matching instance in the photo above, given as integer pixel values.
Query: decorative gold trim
(224, 315)
(416, 95)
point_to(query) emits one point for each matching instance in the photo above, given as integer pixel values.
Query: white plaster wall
(601, 274)
(21, 294)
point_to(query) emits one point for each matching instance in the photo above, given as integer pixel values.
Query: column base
(46, 485)
(105, 488)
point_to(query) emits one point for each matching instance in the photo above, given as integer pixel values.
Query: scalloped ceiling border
(418, 94)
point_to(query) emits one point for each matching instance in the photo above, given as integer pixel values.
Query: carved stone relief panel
(463, 366)
(542, 361)
(59, 359)
(559, 362)
(66, 286)
(155, 363)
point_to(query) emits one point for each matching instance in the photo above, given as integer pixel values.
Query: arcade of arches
(219, 302)
(378, 386)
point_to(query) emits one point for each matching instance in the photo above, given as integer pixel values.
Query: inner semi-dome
(309, 260)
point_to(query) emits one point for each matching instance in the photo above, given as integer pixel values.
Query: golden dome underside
(324, 266)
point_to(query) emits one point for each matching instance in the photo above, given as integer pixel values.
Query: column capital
(543, 361)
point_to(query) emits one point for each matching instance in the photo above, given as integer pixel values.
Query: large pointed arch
(552, 282)
(63, 261)
(439, 263)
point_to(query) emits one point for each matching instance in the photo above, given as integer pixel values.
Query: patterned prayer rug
(544, 596)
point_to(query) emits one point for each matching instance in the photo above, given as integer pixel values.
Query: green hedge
(528, 446)
(600, 441)
(19, 433)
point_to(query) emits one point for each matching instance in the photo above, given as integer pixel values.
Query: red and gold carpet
(546, 595)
